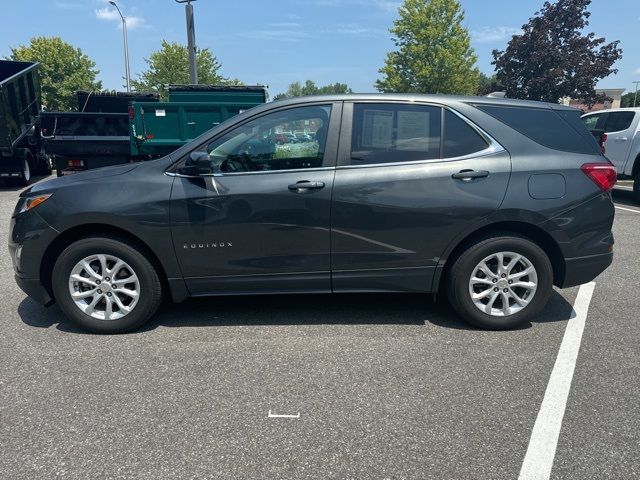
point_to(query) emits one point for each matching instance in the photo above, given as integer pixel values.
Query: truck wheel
(25, 173)
(105, 285)
(636, 187)
(500, 282)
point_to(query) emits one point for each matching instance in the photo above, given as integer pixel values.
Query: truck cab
(622, 146)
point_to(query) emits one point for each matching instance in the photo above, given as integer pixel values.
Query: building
(614, 97)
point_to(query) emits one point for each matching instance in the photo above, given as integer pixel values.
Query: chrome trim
(263, 172)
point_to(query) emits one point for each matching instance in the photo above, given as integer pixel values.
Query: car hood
(87, 176)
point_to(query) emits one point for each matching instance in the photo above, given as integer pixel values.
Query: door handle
(467, 175)
(305, 185)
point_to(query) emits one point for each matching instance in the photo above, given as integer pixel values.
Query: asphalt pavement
(370, 386)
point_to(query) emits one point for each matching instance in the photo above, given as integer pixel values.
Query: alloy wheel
(503, 284)
(104, 287)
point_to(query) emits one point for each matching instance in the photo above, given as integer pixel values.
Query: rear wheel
(636, 186)
(105, 285)
(501, 282)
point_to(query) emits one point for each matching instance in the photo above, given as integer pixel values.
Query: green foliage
(170, 65)
(554, 58)
(434, 53)
(297, 89)
(627, 99)
(487, 85)
(64, 69)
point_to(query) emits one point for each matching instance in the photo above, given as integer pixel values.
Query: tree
(553, 59)
(170, 65)
(434, 53)
(297, 89)
(64, 69)
(487, 85)
(628, 98)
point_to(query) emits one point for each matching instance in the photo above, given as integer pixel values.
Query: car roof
(417, 97)
(626, 109)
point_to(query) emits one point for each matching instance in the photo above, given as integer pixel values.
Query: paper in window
(377, 129)
(413, 131)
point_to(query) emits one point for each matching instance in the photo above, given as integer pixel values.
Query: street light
(191, 40)
(127, 72)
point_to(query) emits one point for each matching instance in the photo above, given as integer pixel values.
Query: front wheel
(636, 187)
(104, 285)
(501, 282)
(25, 173)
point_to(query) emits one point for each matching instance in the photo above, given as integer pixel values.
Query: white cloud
(493, 34)
(636, 71)
(111, 15)
(388, 5)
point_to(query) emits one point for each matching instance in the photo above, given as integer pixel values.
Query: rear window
(459, 138)
(546, 127)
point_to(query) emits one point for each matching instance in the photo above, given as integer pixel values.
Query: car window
(284, 140)
(617, 121)
(593, 122)
(388, 133)
(460, 138)
(545, 126)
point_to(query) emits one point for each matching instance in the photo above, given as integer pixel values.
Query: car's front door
(260, 221)
(410, 179)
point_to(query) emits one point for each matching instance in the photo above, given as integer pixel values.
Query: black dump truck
(97, 135)
(21, 148)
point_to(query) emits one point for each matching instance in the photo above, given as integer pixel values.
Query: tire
(532, 289)
(636, 186)
(100, 251)
(25, 174)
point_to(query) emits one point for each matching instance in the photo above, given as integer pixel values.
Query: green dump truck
(158, 129)
(21, 148)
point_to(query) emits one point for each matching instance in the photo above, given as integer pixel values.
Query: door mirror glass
(198, 163)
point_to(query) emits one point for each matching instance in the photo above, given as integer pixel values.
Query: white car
(622, 145)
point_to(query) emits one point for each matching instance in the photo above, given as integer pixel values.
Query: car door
(620, 128)
(260, 222)
(410, 178)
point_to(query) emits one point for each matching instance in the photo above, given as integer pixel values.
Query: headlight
(27, 203)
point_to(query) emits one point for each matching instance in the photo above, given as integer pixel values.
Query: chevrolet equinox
(492, 201)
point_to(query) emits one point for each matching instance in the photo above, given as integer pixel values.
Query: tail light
(131, 113)
(75, 163)
(603, 174)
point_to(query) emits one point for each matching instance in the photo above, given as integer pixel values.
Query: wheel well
(531, 232)
(636, 167)
(70, 236)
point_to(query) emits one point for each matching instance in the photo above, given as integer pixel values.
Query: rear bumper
(34, 289)
(584, 269)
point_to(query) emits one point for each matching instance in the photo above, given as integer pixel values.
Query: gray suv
(492, 201)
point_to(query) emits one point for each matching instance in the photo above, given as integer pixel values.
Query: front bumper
(34, 289)
(584, 269)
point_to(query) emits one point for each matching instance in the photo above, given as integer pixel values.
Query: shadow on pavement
(624, 197)
(347, 309)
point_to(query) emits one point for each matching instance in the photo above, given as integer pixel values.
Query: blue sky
(277, 42)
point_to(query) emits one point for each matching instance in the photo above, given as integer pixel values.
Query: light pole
(635, 96)
(191, 40)
(127, 72)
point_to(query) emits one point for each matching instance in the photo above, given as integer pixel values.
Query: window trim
(330, 157)
(344, 149)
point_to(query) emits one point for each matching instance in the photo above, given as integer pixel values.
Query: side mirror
(198, 163)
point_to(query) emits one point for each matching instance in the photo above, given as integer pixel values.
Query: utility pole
(191, 40)
(635, 96)
(127, 71)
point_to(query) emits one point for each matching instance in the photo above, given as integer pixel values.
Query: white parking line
(627, 209)
(273, 415)
(538, 460)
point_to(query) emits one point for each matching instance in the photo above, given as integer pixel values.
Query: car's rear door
(410, 178)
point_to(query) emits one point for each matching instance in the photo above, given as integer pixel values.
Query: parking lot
(370, 386)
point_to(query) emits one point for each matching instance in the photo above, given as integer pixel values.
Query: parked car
(303, 137)
(621, 127)
(492, 201)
